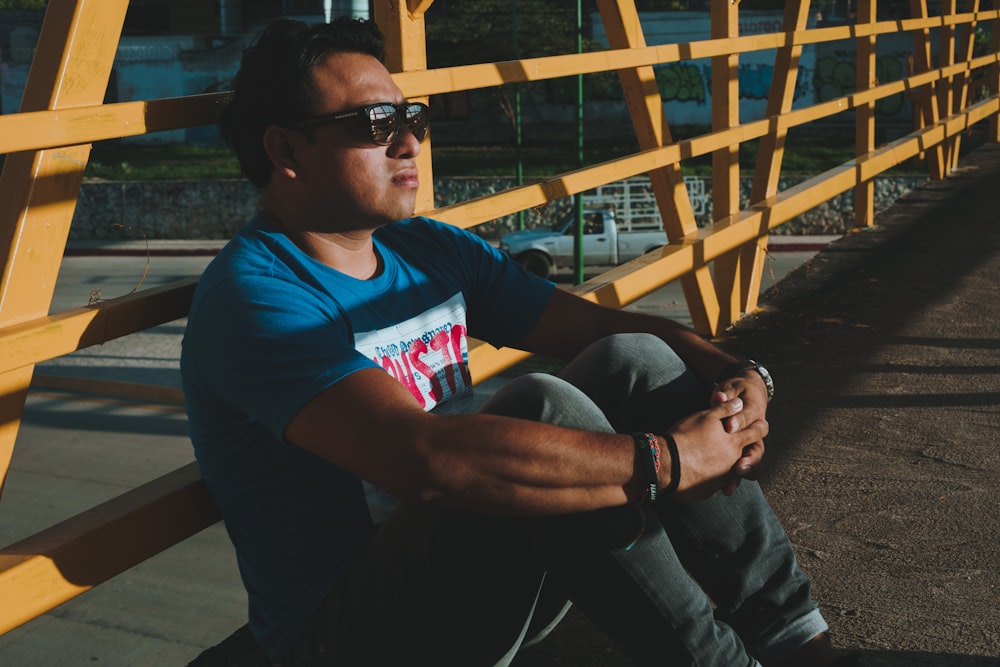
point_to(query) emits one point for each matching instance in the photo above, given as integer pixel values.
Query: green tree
(461, 33)
(23, 4)
(465, 32)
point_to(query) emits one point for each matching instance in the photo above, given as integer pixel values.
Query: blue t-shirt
(269, 329)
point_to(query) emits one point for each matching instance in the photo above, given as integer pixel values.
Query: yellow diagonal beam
(645, 104)
(864, 116)
(926, 99)
(38, 191)
(771, 149)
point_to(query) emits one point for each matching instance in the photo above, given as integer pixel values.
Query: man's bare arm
(370, 425)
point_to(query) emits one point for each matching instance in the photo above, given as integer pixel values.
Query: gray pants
(712, 583)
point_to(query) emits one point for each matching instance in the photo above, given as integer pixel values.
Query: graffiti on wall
(681, 82)
(833, 77)
(691, 82)
(836, 77)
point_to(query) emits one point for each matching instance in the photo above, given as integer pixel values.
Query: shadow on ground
(882, 456)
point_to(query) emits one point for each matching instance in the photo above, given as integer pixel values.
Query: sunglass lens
(384, 123)
(416, 120)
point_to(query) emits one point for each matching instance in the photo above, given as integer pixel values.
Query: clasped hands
(721, 446)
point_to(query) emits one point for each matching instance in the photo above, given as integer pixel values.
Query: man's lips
(408, 178)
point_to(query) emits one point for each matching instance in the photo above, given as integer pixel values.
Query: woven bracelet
(675, 465)
(647, 451)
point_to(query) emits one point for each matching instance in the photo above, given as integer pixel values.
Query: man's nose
(406, 143)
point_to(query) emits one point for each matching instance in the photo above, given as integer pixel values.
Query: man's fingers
(732, 484)
(717, 398)
(729, 408)
(749, 462)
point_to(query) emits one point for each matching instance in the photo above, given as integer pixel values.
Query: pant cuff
(791, 637)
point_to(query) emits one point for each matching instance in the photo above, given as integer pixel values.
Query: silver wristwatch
(749, 365)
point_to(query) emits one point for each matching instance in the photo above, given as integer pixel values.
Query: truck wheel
(535, 262)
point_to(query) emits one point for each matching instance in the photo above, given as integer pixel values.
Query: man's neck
(352, 253)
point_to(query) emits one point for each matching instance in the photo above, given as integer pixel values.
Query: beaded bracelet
(647, 449)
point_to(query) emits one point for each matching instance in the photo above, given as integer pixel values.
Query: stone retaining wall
(201, 210)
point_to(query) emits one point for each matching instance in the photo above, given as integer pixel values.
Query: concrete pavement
(884, 451)
(883, 458)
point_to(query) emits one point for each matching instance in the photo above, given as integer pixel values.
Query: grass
(120, 161)
(804, 154)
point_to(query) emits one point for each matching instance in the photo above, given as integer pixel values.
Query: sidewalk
(883, 454)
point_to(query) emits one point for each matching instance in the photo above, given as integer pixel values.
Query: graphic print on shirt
(428, 354)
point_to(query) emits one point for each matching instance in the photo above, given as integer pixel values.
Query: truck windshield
(593, 223)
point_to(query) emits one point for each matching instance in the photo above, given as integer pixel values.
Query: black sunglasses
(384, 120)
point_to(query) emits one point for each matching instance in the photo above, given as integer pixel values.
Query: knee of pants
(626, 361)
(638, 349)
(546, 398)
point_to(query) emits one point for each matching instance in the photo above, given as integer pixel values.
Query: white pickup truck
(604, 243)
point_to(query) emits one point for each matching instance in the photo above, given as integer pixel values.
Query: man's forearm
(501, 465)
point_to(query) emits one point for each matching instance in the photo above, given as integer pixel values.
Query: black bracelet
(675, 465)
(648, 462)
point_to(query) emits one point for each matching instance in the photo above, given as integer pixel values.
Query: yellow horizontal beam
(56, 335)
(471, 77)
(45, 338)
(83, 125)
(633, 280)
(67, 127)
(59, 563)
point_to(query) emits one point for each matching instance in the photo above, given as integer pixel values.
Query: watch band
(749, 365)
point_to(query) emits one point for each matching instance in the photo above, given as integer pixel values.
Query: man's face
(352, 183)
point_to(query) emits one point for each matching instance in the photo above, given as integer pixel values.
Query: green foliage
(23, 4)
(119, 161)
(981, 40)
(497, 30)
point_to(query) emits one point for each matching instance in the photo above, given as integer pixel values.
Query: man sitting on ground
(325, 370)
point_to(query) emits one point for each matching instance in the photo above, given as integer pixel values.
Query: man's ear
(280, 147)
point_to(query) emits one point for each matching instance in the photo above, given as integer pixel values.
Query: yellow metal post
(402, 23)
(994, 77)
(779, 101)
(645, 104)
(927, 99)
(960, 91)
(726, 161)
(864, 115)
(38, 190)
(946, 88)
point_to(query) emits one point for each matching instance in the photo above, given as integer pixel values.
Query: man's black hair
(274, 82)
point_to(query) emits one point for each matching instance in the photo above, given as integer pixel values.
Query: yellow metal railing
(48, 144)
